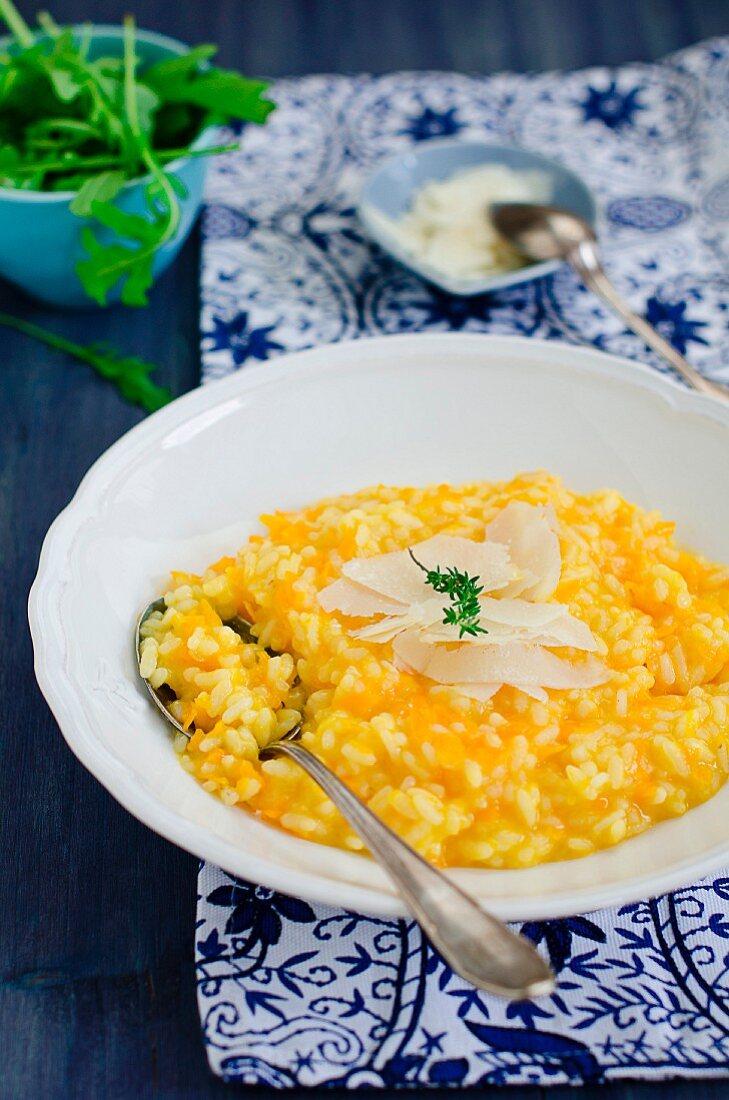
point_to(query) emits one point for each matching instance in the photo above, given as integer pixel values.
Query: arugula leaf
(175, 67)
(60, 64)
(134, 227)
(129, 373)
(9, 160)
(103, 266)
(147, 104)
(139, 280)
(109, 264)
(65, 85)
(8, 79)
(97, 189)
(220, 92)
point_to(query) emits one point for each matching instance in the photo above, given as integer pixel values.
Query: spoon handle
(476, 945)
(586, 261)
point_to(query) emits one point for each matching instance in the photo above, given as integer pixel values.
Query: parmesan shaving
(568, 631)
(534, 693)
(518, 663)
(354, 599)
(520, 613)
(480, 692)
(559, 629)
(530, 533)
(398, 577)
(497, 634)
(419, 614)
(489, 561)
(393, 575)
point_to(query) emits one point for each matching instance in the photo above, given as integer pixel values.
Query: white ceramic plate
(187, 485)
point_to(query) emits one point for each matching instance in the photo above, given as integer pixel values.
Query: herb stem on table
(129, 373)
(463, 591)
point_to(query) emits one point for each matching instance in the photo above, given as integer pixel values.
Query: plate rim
(58, 689)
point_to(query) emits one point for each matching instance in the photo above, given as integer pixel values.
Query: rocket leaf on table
(130, 373)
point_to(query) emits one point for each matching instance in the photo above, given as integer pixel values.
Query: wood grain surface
(97, 994)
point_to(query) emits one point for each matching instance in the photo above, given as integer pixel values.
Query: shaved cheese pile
(519, 565)
(448, 225)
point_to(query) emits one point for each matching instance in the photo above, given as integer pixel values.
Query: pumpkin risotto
(588, 701)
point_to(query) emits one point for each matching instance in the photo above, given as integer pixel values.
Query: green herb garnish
(129, 373)
(70, 123)
(463, 592)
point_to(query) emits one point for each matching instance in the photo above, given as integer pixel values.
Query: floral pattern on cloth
(296, 994)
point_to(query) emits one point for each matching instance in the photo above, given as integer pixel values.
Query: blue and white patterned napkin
(295, 994)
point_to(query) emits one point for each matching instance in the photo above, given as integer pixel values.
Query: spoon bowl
(549, 233)
(477, 946)
(541, 232)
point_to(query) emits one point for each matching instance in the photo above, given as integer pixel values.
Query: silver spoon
(476, 945)
(551, 233)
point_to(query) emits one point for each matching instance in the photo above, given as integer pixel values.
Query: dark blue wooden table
(96, 923)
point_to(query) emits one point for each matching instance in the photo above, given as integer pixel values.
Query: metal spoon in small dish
(549, 233)
(476, 945)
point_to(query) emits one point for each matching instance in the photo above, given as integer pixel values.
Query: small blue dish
(391, 189)
(40, 239)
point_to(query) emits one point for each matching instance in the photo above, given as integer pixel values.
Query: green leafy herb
(100, 188)
(463, 591)
(129, 373)
(219, 91)
(70, 120)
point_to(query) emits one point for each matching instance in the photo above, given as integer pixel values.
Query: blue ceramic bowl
(40, 237)
(391, 189)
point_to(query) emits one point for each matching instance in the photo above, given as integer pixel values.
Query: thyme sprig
(463, 591)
